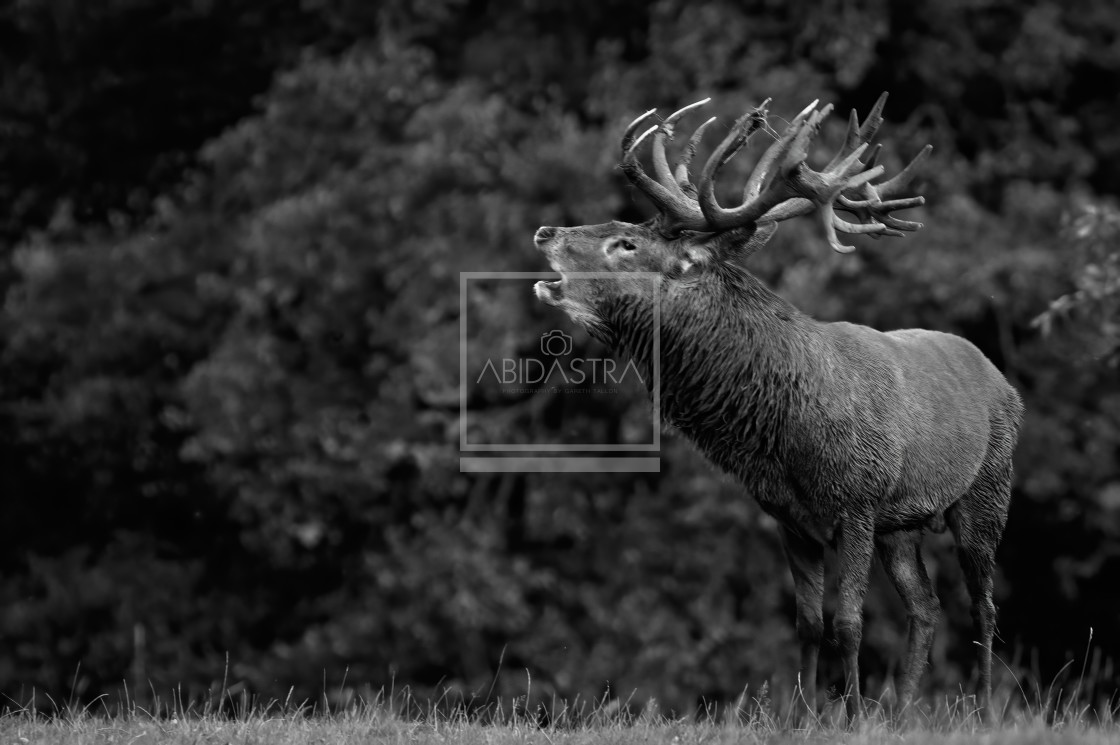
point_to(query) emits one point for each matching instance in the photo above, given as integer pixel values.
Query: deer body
(820, 420)
(848, 436)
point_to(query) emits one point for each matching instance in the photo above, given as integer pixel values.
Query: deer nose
(544, 235)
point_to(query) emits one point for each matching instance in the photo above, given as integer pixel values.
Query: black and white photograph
(560, 372)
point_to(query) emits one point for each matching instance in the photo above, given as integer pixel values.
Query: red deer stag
(848, 436)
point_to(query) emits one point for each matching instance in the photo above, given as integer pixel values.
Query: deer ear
(740, 243)
(693, 257)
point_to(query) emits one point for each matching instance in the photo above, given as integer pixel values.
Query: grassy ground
(949, 721)
(372, 729)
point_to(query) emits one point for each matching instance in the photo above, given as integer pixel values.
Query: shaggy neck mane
(735, 361)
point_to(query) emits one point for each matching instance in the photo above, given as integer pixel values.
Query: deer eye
(624, 244)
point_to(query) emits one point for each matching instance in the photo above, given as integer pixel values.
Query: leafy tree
(102, 105)
(1095, 304)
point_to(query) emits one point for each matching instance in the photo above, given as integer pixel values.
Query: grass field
(951, 720)
(366, 728)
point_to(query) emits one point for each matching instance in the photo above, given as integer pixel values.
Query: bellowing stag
(848, 436)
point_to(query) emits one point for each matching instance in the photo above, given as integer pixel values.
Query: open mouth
(548, 292)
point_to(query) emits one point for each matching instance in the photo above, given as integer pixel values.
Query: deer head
(693, 234)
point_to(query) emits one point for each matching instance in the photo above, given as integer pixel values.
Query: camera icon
(556, 343)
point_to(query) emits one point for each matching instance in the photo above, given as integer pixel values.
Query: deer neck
(733, 357)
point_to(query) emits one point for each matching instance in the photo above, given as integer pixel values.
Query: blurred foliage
(1094, 307)
(229, 410)
(103, 104)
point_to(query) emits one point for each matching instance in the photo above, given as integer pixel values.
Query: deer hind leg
(901, 555)
(806, 562)
(977, 521)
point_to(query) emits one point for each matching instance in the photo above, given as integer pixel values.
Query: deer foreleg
(806, 562)
(855, 546)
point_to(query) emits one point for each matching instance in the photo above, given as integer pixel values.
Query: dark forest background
(231, 232)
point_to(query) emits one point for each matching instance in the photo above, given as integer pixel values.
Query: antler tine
(676, 115)
(795, 207)
(830, 233)
(856, 178)
(864, 133)
(776, 150)
(848, 173)
(633, 149)
(660, 161)
(718, 217)
(741, 131)
(852, 140)
(832, 222)
(682, 178)
(799, 150)
(873, 210)
(805, 111)
(890, 204)
(678, 209)
(891, 187)
(873, 158)
(628, 135)
(874, 119)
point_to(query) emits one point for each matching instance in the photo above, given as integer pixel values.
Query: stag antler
(867, 202)
(781, 185)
